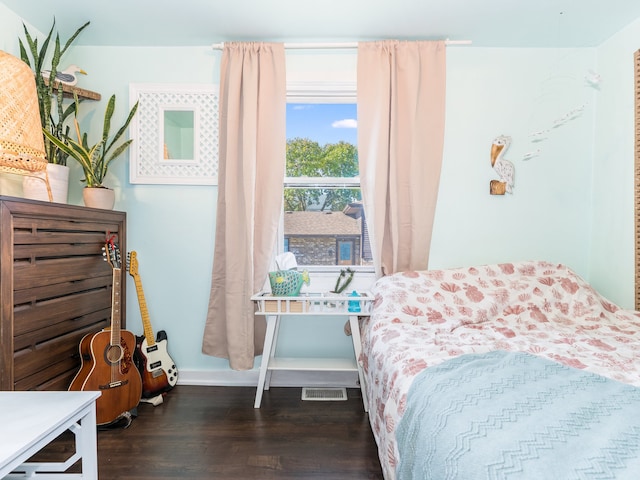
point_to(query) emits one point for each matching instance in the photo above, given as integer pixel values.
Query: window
(324, 221)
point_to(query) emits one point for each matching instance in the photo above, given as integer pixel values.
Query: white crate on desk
(310, 304)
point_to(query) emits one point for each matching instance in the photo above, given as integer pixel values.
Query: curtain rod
(334, 46)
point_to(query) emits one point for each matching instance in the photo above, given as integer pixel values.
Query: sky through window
(322, 122)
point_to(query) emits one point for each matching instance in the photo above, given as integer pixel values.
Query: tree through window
(324, 221)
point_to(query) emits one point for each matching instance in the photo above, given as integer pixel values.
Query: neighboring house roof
(354, 209)
(320, 223)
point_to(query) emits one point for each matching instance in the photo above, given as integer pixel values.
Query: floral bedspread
(421, 319)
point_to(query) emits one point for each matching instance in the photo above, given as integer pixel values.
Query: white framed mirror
(175, 134)
(179, 133)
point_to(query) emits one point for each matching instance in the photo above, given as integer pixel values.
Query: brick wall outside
(318, 250)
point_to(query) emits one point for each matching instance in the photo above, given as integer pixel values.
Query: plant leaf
(73, 37)
(124, 127)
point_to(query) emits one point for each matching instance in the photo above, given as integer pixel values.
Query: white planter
(99, 197)
(36, 188)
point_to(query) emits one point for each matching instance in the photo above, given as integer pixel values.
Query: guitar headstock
(132, 263)
(111, 253)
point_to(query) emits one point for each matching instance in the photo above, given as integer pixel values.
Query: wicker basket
(21, 140)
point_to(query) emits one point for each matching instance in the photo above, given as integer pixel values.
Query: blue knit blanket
(504, 415)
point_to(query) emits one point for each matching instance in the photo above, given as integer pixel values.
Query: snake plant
(50, 95)
(95, 159)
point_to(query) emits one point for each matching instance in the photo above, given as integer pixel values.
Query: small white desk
(273, 308)
(31, 420)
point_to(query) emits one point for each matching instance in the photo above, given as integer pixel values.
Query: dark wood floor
(215, 433)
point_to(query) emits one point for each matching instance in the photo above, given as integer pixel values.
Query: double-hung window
(323, 220)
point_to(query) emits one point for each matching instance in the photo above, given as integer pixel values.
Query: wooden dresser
(55, 287)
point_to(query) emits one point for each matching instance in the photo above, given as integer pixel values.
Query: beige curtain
(252, 153)
(401, 109)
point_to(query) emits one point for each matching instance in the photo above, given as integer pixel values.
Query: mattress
(422, 319)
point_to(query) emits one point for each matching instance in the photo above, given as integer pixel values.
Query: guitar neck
(116, 307)
(144, 312)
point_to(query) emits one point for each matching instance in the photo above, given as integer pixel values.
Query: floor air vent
(324, 394)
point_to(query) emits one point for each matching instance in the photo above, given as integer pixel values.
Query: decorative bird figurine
(67, 76)
(504, 168)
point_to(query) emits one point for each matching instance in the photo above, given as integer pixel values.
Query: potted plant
(53, 111)
(343, 281)
(95, 159)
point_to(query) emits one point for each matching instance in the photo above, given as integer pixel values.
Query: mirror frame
(147, 163)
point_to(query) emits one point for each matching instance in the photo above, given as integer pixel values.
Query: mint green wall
(490, 91)
(612, 253)
(516, 92)
(10, 29)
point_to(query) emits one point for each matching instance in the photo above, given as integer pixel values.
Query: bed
(445, 349)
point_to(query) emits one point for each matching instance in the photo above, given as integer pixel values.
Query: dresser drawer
(55, 288)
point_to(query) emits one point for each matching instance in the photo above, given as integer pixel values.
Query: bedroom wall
(489, 92)
(612, 254)
(11, 28)
(538, 97)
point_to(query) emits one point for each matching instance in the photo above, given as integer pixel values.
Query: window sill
(336, 268)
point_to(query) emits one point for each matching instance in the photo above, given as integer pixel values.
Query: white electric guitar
(157, 369)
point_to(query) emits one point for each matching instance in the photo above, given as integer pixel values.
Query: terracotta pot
(36, 189)
(99, 197)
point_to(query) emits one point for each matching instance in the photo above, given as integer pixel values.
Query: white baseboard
(249, 378)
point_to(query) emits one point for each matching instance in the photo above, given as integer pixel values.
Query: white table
(31, 420)
(314, 304)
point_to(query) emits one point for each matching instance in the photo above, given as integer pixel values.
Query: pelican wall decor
(504, 168)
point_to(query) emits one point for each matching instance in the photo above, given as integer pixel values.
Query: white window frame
(322, 276)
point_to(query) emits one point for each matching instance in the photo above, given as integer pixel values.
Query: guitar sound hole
(113, 354)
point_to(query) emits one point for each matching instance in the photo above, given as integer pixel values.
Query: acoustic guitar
(107, 358)
(158, 370)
